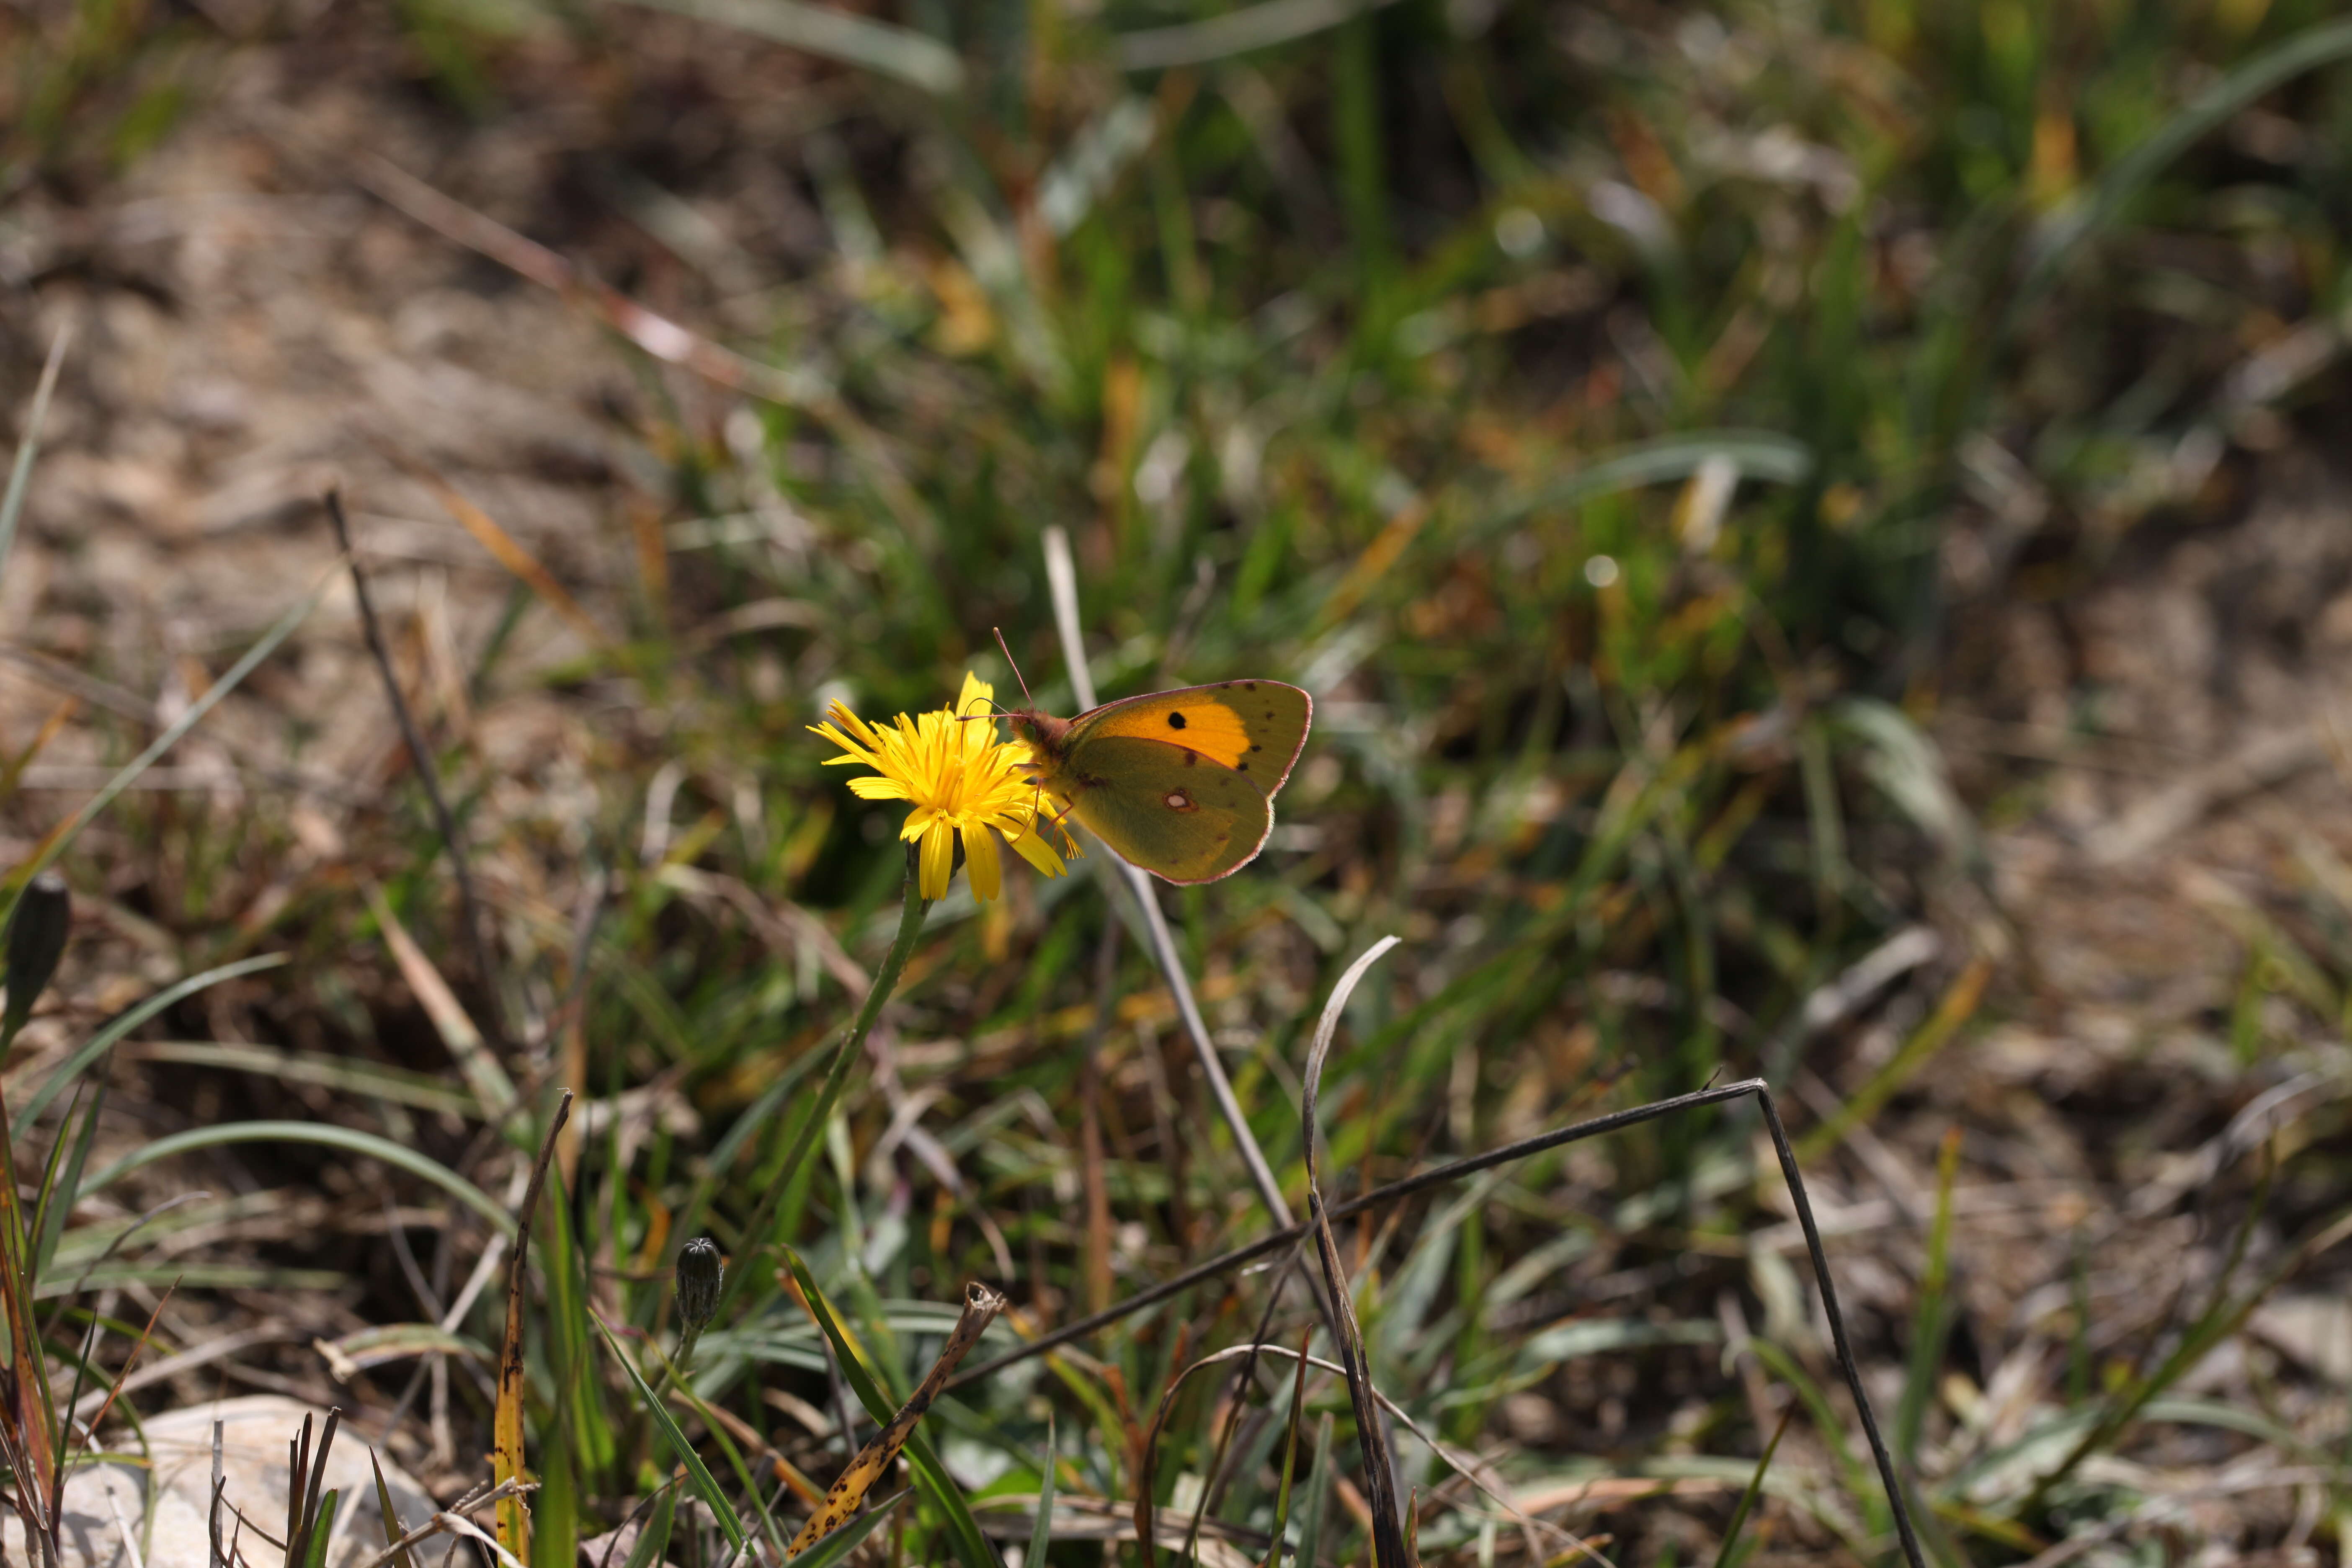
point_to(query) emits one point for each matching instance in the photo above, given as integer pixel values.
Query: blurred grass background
(1625, 420)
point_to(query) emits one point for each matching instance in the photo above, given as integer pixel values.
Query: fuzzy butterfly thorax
(1046, 734)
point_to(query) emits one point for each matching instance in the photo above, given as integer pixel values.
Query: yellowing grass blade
(506, 1420)
(980, 1306)
(450, 1020)
(522, 562)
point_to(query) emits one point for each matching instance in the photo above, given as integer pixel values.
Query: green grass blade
(1932, 1325)
(20, 472)
(1958, 1005)
(1289, 1455)
(705, 1485)
(1818, 1409)
(1318, 1498)
(840, 1543)
(96, 1046)
(1731, 1554)
(878, 47)
(759, 1115)
(971, 1544)
(194, 1276)
(349, 1139)
(393, 1529)
(652, 1544)
(726, 1447)
(2131, 173)
(54, 845)
(314, 1539)
(1759, 454)
(1041, 1535)
(372, 1079)
(61, 1190)
(1237, 32)
(45, 1195)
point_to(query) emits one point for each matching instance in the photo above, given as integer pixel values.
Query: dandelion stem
(837, 1073)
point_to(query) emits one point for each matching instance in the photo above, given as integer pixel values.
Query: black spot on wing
(1175, 721)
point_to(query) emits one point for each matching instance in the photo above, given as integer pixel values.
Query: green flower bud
(36, 940)
(699, 1273)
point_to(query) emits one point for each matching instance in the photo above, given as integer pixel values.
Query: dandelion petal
(981, 865)
(939, 857)
(1031, 845)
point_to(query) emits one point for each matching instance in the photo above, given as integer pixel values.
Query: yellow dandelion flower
(962, 780)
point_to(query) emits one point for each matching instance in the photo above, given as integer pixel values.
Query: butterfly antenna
(1016, 669)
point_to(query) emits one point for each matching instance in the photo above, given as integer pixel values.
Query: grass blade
(420, 757)
(297, 1465)
(1241, 32)
(1957, 1007)
(2130, 174)
(705, 1485)
(1318, 1498)
(401, 1556)
(1289, 1454)
(1062, 577)
(506, 1424)
(980, 1306)
(855, 40)
(373, 1081)
(845, 1540)
(20, 472)
(64, 833)
(1932, 1326)
(1041, 1535)
(61, 1179)
(1759, 455)
(96, 1046)
(1389, 1549)
(971, 1544)
(348, 1138)
(652, 1544)
(450, 1021)
(1730, 1555)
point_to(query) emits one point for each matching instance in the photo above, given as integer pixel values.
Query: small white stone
(101, 1499)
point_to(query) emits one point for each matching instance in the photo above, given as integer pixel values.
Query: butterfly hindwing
(1170, 809)
(1180, 783)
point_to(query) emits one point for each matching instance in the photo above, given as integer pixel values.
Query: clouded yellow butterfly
(1180, 783)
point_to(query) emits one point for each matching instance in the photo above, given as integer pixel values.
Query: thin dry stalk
(980, 1306)
(470, 907)
(1061, 574)
(1389, 1547)
(1090, 1135)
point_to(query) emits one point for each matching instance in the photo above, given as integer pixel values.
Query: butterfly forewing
(1180, 781)
(1255, 727)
